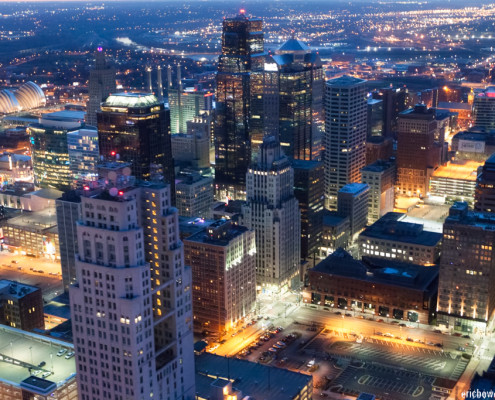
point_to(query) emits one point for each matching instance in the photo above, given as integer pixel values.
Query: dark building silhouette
(394, 102)
(485, 187)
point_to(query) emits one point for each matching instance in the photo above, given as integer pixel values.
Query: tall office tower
(84, 155)
(466, 299)
(273, 213)
(222, 258)
(484, 108)
(242, 47)
(136, 126)
(193, 148)
(187, 104)
(68, 213)
(101, 84)
(395, 100)
(375, 117)
(50, 154)
(300, 100)
(380, 177)
(345, 134)
(308, 189)
(131, 304)
(418, 154)
(353, 203)
(485, 187)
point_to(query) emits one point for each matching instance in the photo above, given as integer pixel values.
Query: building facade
(484, 198)
(380, 177)
(345, 134)
(484, 108)
(222, 258)
(21, 306)
(194, 195)
(352, 202)
(272, 211)
(185, 105)
(84, 155)
(465, 291)
(392, 238)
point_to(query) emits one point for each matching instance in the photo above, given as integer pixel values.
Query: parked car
(61, 352)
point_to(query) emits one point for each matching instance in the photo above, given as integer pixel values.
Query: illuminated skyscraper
(484, 108)
(101, 84)
(242, 44)
(272, 211)
(136, 127)
(345, 134)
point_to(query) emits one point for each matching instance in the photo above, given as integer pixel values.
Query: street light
(31, 351)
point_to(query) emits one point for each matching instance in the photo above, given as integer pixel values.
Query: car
(261, 358)
(36, 372)
(437, 331)
(280, 329)
(310, 363)
(457, 334)
(379, 320)
(466, 336)
(280, 343)
(379, 334)
(430, 344)
(277, 346)
(61, 352)
(250, 323)
(388, 335)
(439, 345)
(409, 339)
(267, 317)
(45, 374)
(338, 313)
(402, 324)
(15, 262)
(69, 355)
(213, 348)
(235, 333)
(42, 364)
(460, 348)
(273, 350)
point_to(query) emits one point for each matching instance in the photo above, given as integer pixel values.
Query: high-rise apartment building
(131, 305)
(84, 155)
(242, 47)
(485, 187)
(50, 153)
(418, 152)
(345, 134)
(484, 108)
(395, 101)
(101, 84)
(380, 177)
(309, 192)
(194, 194)
(272, 211)
(136, 127)
(222, 258)
(466, 300)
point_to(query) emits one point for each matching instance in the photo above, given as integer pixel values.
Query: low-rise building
(217, 378)
(455, 181)
(380, 287)
(31, 370)
(394, 239)
(33, 233)
(21, 306)
(22, 196)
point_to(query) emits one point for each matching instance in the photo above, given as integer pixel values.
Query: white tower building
(273, 213)
(131, 304)
(345, 134)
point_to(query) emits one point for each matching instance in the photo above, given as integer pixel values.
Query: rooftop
(379, 166)
(46, 193)
(454, 106)
(21, 350)
(345, 80)
(252, 379)
(218, 233)
(331, 218)
(466, 170)
(13, 289)
(126, 99)
(354, 188)
(382, 271)
(392, 227)
(293, 46)
(36, 220)
(65, 115)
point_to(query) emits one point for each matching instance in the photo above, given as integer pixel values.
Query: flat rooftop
(20, 350)
(393, 227)
(467, 170)
(43, 219)
(13, 289)
(354, 188)
(252, 379)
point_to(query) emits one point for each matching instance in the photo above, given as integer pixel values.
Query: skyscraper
(394, 102)
(298, 99)
(101, 84)
(222, 258)
(353, 203)
(242, 44)
(131, 304)
(484, 108)
(83, 155)
(136, 127)
(417, 152)
(466, 300)
(272, 211)
(345, 134)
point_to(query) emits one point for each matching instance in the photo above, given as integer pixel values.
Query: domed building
(26, 97)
